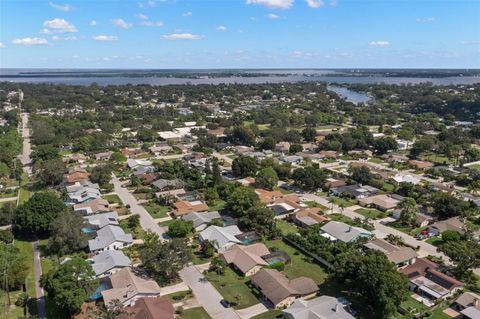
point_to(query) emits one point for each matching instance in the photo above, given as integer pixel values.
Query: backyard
(156, 210)
(233, 287)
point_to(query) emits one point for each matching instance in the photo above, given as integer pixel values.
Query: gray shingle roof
(109, 259)
(344, 232)
(323, 307)
(107, 236)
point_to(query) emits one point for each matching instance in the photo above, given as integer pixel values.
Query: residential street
(206, 294)
(27, 150)
(38, 273)
(146, 220)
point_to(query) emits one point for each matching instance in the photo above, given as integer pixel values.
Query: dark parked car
(225, 303)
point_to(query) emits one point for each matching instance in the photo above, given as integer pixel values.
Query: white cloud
(333, 3)
(315, 3)
(152, 23)
(273, 16)
(55, 38)
(141, 16)
(105, 38)
(379, 44)
(471, 42)
(221, 28)
(61, 7)
(2, 45)
(93, 23)
(425, 20)
(120, 23)
(148, 4)
(45, 31)
(30, 41)
(65, 38)
(58, 26)
(275, 4)
(187, 14)
(182, 36)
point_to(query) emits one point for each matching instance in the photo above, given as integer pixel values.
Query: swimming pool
(88, 230)
(103, 285)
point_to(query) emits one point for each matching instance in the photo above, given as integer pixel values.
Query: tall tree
(68, 284)
(267, 178)
(163, 260)
(240, 200)
(408, 214)
(66, 235)
(38, 212)
(244, 166)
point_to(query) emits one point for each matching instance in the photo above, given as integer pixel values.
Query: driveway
(252, 311)
(206, 294)
(146, 220)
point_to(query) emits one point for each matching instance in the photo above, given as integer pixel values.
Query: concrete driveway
(206, 294)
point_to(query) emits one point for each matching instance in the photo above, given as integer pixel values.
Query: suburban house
(468, 304)
(183, 207)
(128, 287)
(76, 175)
(84, 194)
(221, 237)
(75, 158)
(148, 178)
(355, 191)
(405, 178)
(453, 223)
(201, 220)
(382, 202)
(323, 307)
(134, 163)
(420, 164)
(103, 156)
(247, 181)
(334, 183)
(279, 290)
(246, 259)
(98, 205)
(150, 308)
(143, 169)
(306, 217)
(428, 282)
(159, 149)
(335, 231)
(108, 262)
(166, 184)
(98, 221)
(110, 237)
(399, 255)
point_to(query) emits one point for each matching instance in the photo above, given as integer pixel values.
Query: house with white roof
(338, 231)
(110, 238)
(323, 307)
(221, 237)
(108, 262)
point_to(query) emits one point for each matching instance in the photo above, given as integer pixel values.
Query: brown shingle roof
(150, 308)
(276, 287)
(183, 207)
(429, 269)
(246, 257)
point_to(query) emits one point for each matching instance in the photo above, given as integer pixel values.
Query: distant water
(276, 76)
(349, 95)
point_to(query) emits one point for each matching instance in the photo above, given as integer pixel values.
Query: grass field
(233, 287)
(195, 313)
(113, 199)
(301, 265)
(286, 227)
(156, 210)
(346, 202)
(435, 241)
(371, 213)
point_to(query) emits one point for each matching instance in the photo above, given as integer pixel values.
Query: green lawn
(271, 314)
(312, 204)
(388, 187)
(233, 287)
(376, 160)
(371, 213)
(23, 195)
(156, 210)
(406, 229)
(5, 203)
(113, 199)
(301, 265)
(47, 265)
(166, 223)
(341, 218)
(346, 202)
(195, 313)
(180, 295)
(286, 227)
(435, 241)
(26, 250)
(440, 159)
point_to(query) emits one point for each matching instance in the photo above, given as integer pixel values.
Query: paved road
(8, 199)
(27, 149)
(38, 273)
(146, 220)
(206, 294)
(381, 231)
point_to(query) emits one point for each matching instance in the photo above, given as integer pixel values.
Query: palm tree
(331, 200)
(22, 301)
(342, 206)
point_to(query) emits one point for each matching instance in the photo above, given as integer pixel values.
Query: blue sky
(240, 34)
